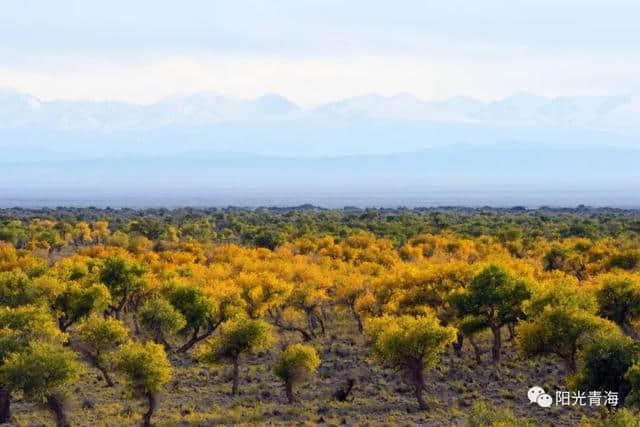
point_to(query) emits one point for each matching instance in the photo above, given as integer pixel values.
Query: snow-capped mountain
(198, 109)
(612, 113)
(522, 109)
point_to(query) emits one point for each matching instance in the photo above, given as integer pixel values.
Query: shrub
(554, 259)
(481, 415)
(605, 362)
(632, 376)
(619, 301)
(618, 418)
(627, 260)
(563, 332)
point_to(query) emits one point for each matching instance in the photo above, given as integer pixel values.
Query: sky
(314, 51)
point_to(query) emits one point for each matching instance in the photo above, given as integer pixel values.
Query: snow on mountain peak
(207, 108)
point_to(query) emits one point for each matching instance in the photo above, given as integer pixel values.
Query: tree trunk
(497, 344)
(236, 376)
(421, 402)
(343, 393)
(457, 346)
(159, 339)
(167, 347)
(306, 336)
(358, 319)
(136, 324)
(196, 339)
(623, 391)
(571, 361)
(151, 398)
(190, 343)
(512, 331)
(118, 308)
(418, 388)
(629, 331)
(62, 324)
(5, 404)
(321, 322)
(55, 403)
(476, 350)
(94, 360)
(105, 375)
(288, 388)
(311, 323)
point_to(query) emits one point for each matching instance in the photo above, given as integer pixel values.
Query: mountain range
(209, 149)
(611, 113)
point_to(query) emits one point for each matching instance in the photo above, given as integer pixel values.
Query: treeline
(269, 227)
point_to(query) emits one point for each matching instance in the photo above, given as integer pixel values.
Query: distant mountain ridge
(499, 175)
(610, 113)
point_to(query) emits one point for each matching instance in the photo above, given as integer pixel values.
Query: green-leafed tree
(19, 327)
(296, 364)
(203, 314)
(98, 338)
(560, 294)
(494, 297)
(410, 345)
(238, 336)
(147, 370)
(160, 319)
(470, 327)
(17, 288)
(123, 278)
(43, 372)
(77, 301)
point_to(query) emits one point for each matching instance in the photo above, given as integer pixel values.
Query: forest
(311, 316)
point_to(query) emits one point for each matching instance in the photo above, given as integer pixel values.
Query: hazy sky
(313, 51)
